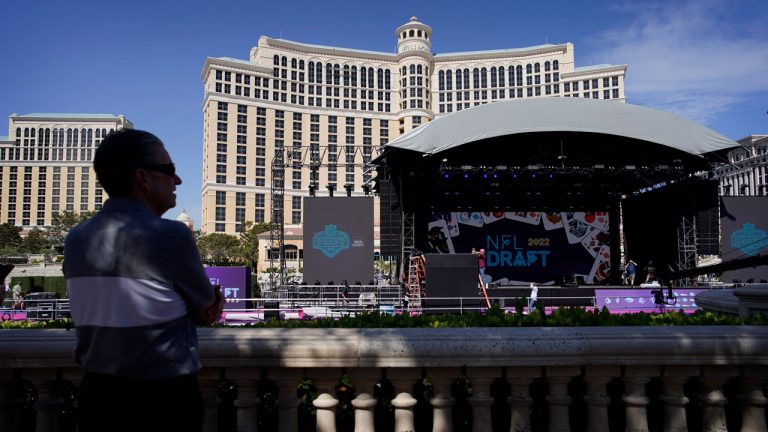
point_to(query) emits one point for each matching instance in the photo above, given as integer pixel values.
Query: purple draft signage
(641, 300)
(235, 284)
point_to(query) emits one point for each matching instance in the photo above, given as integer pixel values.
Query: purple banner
(235, 284)
(642, 300)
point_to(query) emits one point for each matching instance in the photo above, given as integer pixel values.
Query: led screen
(523, 247)
(744, 229)
(338, 239)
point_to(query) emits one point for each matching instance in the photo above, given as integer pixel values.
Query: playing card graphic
(532, 218)
(439, 238)
(601, 269)
(575, 230)
(489, 217)
(474, 219)
(552, 220)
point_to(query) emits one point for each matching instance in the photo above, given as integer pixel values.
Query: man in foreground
(137, 289)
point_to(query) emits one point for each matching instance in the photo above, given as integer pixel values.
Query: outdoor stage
(554, 189)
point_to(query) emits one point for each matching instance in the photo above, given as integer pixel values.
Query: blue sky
(702, 59)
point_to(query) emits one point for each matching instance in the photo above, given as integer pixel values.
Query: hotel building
(746, 173)
(327, 110)
(46, 165)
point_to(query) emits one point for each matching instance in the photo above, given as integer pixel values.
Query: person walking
(137, 288)
(630, 270)
(534, 297)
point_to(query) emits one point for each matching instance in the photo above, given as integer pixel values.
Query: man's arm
(211, 311)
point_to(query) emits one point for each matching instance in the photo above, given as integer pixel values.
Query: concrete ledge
(396, 348)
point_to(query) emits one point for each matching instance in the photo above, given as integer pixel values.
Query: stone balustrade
(708, 378)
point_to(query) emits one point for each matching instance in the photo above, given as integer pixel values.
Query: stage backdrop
(744, 228)
(338, 239)
(522, 247)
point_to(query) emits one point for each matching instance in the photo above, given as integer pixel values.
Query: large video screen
(524, 247)
(744, 229)
(338, 239)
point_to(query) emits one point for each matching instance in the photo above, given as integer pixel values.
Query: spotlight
(331, 187)
(348, 187)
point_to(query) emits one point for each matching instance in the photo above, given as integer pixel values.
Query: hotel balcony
(708, 378)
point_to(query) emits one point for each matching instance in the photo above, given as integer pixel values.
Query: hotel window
(615, 81)
(615, 93)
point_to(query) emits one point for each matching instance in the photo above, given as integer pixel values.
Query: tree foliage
(61, 224)
(249, 243)
(10, 237)
(219, 249)
(224, 249)
(36, 241)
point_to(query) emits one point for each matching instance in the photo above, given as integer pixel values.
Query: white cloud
(695, 58)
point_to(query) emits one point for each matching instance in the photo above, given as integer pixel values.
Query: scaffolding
(686, 246)
(313, 157)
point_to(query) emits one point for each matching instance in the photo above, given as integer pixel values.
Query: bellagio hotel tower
(328, 110)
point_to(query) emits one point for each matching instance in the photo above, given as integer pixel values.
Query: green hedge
(30, 284)
(494, 317)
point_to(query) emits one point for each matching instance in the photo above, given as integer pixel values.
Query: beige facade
(746, 173)
(333, 108)
(46, 165)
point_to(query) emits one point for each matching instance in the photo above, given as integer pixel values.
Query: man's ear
(140, 181)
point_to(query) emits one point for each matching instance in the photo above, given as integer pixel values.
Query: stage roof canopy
(558, 114)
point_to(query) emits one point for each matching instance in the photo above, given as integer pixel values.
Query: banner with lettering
(522, 247)
(235, 284)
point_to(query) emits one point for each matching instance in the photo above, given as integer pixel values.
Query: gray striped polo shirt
(133, 278)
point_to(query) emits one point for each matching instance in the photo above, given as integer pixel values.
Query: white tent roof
(558, 114)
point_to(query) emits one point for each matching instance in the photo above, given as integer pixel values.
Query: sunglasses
(168, 169)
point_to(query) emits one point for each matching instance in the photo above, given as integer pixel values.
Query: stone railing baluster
(49, 401)
(208, 380)
(364, 379)
(481, 379)
(325, 380)
(520, 396)
(752, 399)
(442, 401)
(247, 402)
(673, 397)
(597, 378)
(286, 380)
(10, 402)
(635, 400)
(712, 398)
(558, 378)
(403, 380)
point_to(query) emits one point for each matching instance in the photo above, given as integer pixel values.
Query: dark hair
(119, 155)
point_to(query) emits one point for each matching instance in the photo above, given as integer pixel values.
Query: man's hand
(212, 310)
